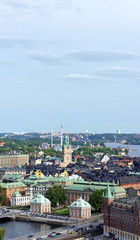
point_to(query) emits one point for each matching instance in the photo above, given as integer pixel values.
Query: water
(134, 149)
(15, 229)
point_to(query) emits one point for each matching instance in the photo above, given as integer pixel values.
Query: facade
(9, 188)
(19, 200)
(80, 209)
(84, 189)
(36, 189)
(13, 160)
(121, 217)
(130, 182)
(38, 173)
(34, 162)
(12, 170)
(40, 204)
(66, 153)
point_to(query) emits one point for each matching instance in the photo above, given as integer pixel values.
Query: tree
(96, 199)
(126, 151)
(79, 160)
(56, 194)
(1, 195)
(2, 233)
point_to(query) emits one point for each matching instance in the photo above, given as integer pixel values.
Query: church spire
(108, 192)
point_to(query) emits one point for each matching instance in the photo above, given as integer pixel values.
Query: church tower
(66, 153)
(107, 200)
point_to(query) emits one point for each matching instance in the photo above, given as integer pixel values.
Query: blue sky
(70, 61)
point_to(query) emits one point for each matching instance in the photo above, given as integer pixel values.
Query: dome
(15, 193)
(80, 203)
(40, 199)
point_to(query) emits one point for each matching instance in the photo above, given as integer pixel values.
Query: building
(80, 209)
(9, 188)
(130, 182)
(40, 204)
(38, 188)
(13, 160)
(84, 189)
(121, 217)
(19, 200)
(12, 170)
(34, 162)
(66, 153)
(2, 144)
(38, 173)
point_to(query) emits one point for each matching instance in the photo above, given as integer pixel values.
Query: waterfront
(15, 229)
(134, 150)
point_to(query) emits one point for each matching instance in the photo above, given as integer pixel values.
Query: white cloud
(47, 58)
(117, 72)
(84, 55)
(96, 55)
(16, 82)
(85, 77)
(8, 42)
(54, 4)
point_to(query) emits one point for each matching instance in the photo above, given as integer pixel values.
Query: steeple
(66, 141)
(52, 139)
(108, 192)
(61, 135)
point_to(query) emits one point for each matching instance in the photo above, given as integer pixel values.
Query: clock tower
(66, 153)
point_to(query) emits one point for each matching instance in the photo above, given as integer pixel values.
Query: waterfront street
(62, 232)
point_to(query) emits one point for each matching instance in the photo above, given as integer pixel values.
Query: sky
(75, 62)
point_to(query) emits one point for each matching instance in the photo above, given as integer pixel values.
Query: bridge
(8, 216)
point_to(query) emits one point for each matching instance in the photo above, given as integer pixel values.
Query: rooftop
(80, 203)
(40, 199)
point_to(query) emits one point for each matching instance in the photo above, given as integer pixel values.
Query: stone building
(9, 188)
(12, 170)
(66, 153)
(19, 200)
(13, 160)
(84, 189)
(121, 217)
(40, 204)
(80, 209)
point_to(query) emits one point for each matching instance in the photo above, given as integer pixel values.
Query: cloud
(47, 58)
(117, 72)
(8, 42)
(6, 61)
(16, 82)
(107, 74)
(84, 55)
(96, 55)
(84, 77)
(28, 4)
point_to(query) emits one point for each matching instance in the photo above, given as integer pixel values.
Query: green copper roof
(40, 199)
(12, 185)
(66, 142)
(83, 186)
(15, 193)
(108, 192)
(80, 203)
(13, 176)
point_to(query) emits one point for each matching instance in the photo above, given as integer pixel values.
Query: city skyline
(75, 62)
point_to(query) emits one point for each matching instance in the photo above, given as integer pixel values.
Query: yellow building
(38, 173)
(64, 174)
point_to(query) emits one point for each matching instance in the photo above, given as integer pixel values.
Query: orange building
(9, 188)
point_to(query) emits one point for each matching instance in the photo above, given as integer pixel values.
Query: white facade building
(19, 200)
